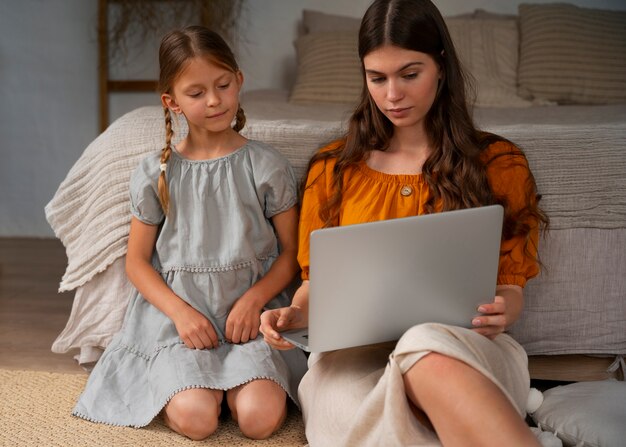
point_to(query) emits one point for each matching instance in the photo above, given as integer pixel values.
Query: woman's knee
(194, 413)
(431, 371)
(433, 365)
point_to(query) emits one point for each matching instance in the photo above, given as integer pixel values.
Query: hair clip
(163, 167)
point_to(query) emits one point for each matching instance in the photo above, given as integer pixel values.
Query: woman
(412, 148)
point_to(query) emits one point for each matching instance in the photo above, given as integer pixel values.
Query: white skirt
(356, 397)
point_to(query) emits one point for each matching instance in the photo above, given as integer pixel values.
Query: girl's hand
(195, 330)
(242, 324)
(504, 311)
(282, 319)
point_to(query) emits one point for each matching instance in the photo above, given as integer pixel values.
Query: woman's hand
(275, 321)
(242, 324)
(503, 312)
(195, 330)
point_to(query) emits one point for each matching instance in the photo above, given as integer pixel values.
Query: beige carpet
(35, 410)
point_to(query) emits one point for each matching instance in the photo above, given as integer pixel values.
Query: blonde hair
(177, 48)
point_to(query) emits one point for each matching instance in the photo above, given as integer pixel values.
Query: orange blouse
(371, 195)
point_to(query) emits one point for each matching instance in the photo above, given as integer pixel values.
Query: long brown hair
(454, 171)
(177, 48)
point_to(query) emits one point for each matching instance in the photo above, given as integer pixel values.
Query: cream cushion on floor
(584, 414)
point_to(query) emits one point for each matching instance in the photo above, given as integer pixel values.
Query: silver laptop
(371, 282)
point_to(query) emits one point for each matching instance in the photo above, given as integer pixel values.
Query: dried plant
(133, 21)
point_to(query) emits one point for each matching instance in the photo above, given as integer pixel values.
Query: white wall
(49, 84)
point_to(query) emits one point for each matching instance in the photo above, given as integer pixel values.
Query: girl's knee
(260, 421)
(194, 413)
(259, 407)
(198, 428)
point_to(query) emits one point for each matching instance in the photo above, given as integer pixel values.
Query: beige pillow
(572, 55)
(320, 22)
(329, 69)
(487, 45)
(488, 49)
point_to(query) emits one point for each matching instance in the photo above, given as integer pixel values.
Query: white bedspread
(576, 153)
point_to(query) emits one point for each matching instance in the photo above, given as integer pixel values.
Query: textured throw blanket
(90, 212)
(579, 171)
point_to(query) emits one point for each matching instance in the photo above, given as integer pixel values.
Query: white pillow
(585, 413)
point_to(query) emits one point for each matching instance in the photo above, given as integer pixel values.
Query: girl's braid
(240, 120)
(164, 195)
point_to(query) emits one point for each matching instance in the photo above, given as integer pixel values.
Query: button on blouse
(369, 195)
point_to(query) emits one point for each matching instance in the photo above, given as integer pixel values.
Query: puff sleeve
(509, 177)
(144, 199)
(275, 182)
(316, 194)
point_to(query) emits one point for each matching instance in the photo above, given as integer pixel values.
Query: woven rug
(35, 410)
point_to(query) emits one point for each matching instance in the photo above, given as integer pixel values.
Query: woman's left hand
(244, 319)
(501, 313)
(492, 322)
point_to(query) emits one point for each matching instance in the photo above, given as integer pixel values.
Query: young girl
(203, 255)
(412, 148)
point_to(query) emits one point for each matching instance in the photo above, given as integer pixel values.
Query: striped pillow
(329, 69)
(572, 55)
(489, 50)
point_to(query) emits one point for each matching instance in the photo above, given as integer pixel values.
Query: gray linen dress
(215, 243)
